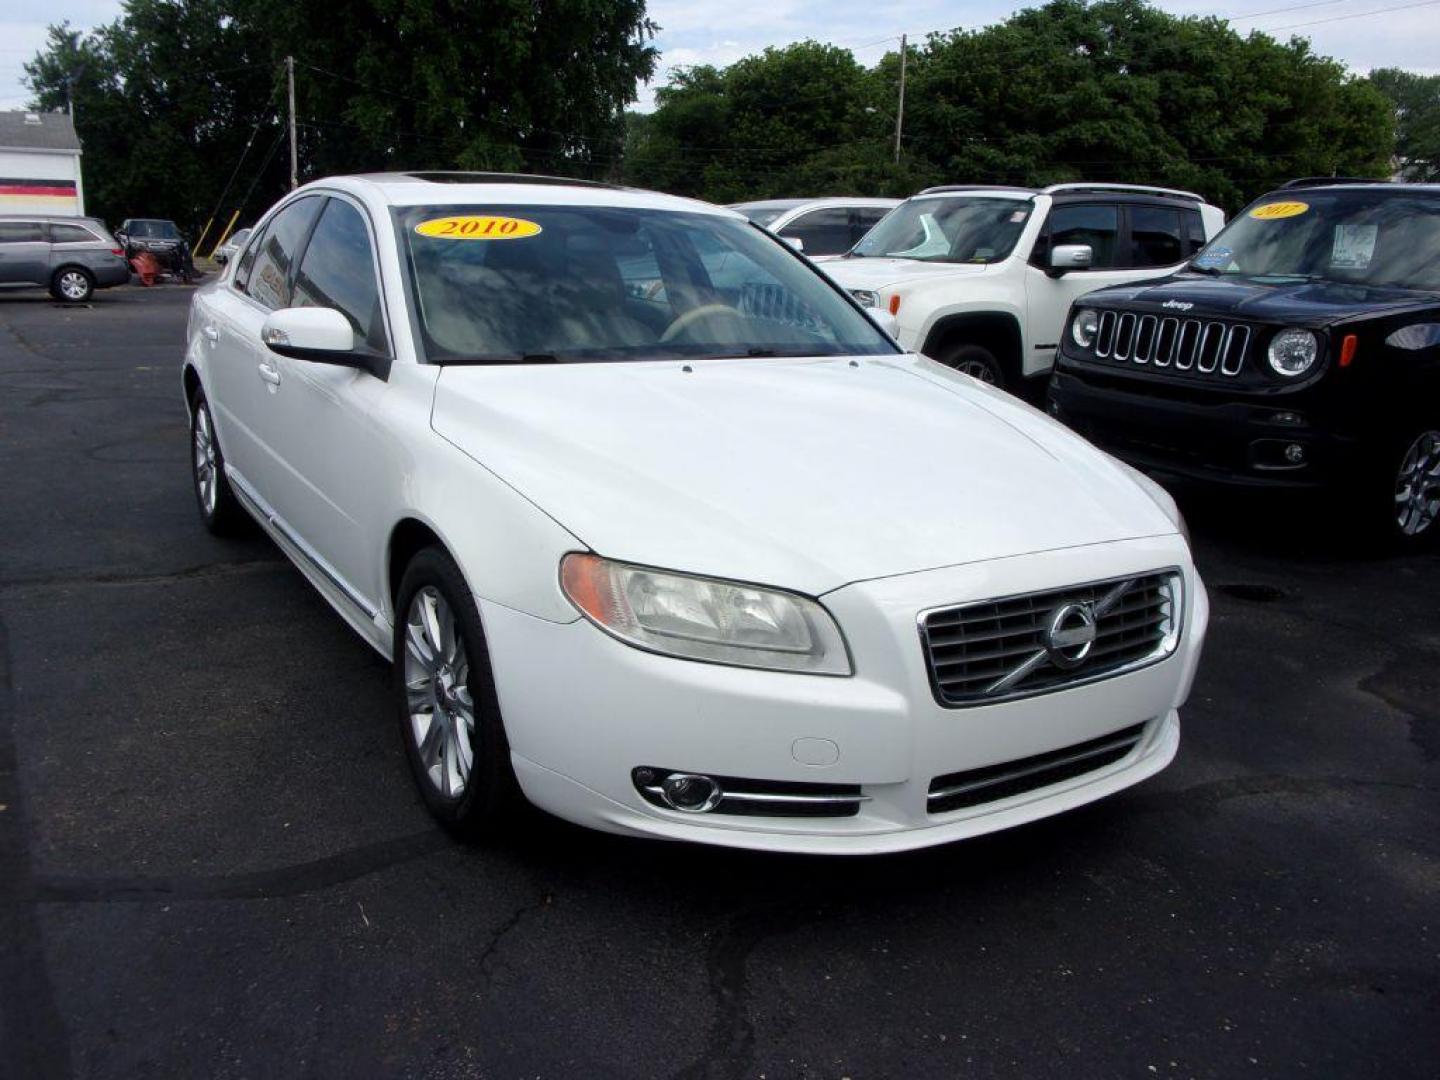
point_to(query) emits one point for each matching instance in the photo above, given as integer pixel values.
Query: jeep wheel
(1415, 487)
(976, 361)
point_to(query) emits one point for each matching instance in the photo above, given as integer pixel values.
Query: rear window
(72, 234)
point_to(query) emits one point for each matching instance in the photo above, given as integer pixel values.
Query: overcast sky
(1364, 34)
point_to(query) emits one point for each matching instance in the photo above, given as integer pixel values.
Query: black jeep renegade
(1300, 348)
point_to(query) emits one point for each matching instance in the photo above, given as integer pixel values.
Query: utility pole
(900, 109)
(294, 162)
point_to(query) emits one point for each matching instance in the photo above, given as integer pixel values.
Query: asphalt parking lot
(213, 862)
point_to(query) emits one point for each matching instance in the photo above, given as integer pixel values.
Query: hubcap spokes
(977, 370)
(1417, 485)
(437, 689)
(205, 478)
(72, 285)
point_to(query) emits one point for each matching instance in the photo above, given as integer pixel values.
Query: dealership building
(39, 164)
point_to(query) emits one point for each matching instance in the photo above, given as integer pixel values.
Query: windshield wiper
(1208, 271)
(500, 359)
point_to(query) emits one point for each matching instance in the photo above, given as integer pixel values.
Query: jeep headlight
(697, 618)
(1292, 352)
(1084, 326)
(866, 297)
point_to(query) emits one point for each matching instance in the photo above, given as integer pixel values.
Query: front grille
(973, 787)
(998, 650)
(1187, 345)
(763, 798)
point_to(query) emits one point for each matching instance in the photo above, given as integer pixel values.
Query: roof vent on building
(32, 118)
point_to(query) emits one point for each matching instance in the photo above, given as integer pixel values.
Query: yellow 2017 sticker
(1271, 211)
(478, 227)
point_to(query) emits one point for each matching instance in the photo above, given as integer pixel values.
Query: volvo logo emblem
(1069, 635)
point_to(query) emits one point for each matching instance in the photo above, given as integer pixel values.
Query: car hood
(868, 273)
(1315, 303)
(808, 474)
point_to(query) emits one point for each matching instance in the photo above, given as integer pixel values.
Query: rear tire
(978, 362)
(446, 704)
(72, 285)
(220, 510)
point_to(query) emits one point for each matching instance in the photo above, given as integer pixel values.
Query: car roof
(441, 188)
(1384, 187)
(824, 200)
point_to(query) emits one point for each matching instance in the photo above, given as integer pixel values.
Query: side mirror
(795, 242)
(319, 335)
(1065, 257)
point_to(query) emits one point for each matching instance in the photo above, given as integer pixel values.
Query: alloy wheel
(206, 479)
(437, 690)
(977, 369)
(74, 285)
(1417, 485)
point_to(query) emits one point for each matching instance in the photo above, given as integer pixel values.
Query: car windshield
(955, 229)
(1355, 236)
(762, 214)
(507, 284)
(151, 229)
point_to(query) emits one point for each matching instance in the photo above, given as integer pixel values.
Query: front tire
(978, 362)
(220, 510)
(445, 698)
(1411, 480)
(72, 285)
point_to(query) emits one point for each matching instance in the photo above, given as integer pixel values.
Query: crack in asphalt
(730, 1049)
(283, 881)
(122, 577)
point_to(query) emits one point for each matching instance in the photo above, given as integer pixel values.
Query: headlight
(866, 297)
(697, 618)
(1293, 352)
(1084, 326)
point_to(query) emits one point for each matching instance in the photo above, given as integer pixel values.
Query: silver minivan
(70, 256)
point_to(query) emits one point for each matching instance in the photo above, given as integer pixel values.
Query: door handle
(211, 334)
(269, 374)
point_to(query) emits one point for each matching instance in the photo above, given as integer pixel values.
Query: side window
(823, 232)
(1156, 236)
(269, 280)
(863, 219)
(20, 232)
(338, 271)
(71, 234)
(1194, 231)
(1097, 226)
(247, 261)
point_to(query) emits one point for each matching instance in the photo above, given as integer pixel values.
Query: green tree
(799, 119)
(1416, 103)
(171, 93)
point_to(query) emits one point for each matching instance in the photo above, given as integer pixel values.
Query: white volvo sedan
(662, 532)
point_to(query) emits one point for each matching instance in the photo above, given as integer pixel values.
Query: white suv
(627, 491)
(823, 229)
(980, 278)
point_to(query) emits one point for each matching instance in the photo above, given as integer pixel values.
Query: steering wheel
(687, 319)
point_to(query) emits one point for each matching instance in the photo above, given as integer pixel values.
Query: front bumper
(1241, 442)
(582, 710)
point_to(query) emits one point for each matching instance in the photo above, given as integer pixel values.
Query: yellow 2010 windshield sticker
(478, 227)
(1271, 211)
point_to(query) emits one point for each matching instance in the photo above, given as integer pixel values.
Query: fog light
(1295, 454)
(690, 793)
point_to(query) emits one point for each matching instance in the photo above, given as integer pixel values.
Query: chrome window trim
(1161, 654)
